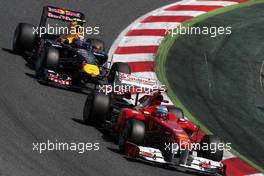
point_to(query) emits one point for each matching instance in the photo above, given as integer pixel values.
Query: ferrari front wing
(197, 164)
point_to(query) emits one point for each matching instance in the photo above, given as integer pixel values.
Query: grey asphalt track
(218, 79)
(30, 112)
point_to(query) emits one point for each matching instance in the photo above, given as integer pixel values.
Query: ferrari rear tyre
(96, 108)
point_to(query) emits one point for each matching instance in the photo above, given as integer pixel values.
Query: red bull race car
(152, 131)
(66, 59)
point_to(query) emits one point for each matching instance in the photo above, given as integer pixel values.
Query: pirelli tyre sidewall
(51, 58)
(24, 38)
(212, 153)
(133, 132)
(96, 108)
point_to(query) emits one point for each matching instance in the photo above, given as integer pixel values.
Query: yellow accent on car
(92, 70)
(70, 39)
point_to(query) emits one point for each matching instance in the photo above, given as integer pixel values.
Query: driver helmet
(162, 111)
(76, 28)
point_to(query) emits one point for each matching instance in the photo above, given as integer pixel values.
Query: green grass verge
(161, 57)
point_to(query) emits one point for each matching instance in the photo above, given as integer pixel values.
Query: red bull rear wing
(60, 14)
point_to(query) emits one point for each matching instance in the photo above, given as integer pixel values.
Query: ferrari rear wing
(132, 84)
(59, 14)
(140, 82)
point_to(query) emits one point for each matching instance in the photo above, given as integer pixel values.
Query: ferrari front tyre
(24, 38)
(209, 148)
(118, 67)
(96, 108)
(133, 132)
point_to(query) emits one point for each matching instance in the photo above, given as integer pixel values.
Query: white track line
(121, 35)
(133, 57)
(156, 25)
(141, 41)
(180, 13)
(210, 3)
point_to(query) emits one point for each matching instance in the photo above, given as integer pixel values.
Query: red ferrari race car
(149, 130)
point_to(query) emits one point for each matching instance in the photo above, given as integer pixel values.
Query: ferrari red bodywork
(171, 129)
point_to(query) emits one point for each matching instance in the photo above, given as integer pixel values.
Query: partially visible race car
(65, 59)
(152, 131)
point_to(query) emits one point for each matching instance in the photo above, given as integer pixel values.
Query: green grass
(161, 57)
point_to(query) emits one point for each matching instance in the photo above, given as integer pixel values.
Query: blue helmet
(162, 111)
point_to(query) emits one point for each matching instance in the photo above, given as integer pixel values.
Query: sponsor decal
(64, 12)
